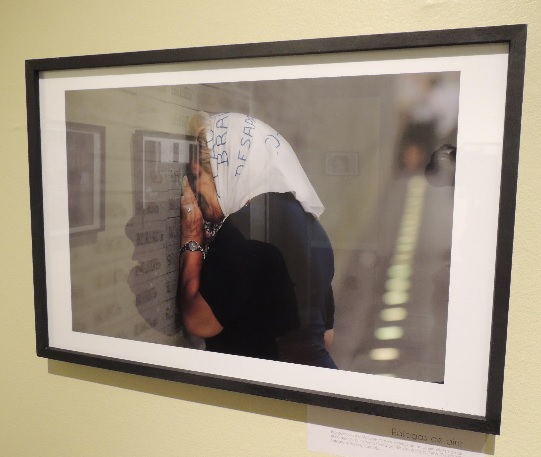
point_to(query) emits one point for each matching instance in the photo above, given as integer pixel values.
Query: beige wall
(57, 409)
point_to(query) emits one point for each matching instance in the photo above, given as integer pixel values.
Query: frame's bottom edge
(447, 419)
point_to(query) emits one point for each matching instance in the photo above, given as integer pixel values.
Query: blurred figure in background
(429, 109)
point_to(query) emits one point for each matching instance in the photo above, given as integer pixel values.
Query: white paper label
(350, 435)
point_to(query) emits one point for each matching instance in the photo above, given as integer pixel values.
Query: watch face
(192, 246)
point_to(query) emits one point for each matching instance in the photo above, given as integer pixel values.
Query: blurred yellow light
(384, 354)
(409, 229)
(397, 285)
(401, 248)
(402, 258)
(399, 271)
(389, 333)
(393, 314)
(406, 240)
(395, 297)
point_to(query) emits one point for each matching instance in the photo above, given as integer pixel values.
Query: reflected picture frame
(342, 163)
(85, 145)
(470, 396)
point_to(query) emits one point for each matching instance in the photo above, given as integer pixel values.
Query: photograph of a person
(227, 230)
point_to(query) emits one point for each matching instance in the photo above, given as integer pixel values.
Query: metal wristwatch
(192, 246)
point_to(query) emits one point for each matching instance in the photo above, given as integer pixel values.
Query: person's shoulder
(286, 204)
(287, 208)
(285, 199)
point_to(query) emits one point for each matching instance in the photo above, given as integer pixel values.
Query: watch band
(192, 246)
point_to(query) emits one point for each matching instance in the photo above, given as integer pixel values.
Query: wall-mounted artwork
(323, 221)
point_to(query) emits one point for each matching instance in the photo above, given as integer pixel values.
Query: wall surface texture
(58, 409)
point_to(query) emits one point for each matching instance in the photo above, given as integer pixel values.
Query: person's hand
(328, 337)
(191, 218)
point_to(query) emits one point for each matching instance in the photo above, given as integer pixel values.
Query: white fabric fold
(249, 158)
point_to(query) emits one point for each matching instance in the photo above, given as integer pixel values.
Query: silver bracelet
(192, 246)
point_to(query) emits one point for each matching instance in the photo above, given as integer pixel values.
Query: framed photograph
(85, 153)
(322, 221)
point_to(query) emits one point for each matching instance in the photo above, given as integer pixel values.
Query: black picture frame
(441, 41)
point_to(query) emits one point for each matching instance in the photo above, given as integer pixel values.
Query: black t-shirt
(261, 290)
(246, 284)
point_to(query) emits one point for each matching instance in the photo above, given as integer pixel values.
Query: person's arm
(198, 318)
(328, 338)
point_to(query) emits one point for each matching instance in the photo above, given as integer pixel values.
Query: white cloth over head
(249, 158)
